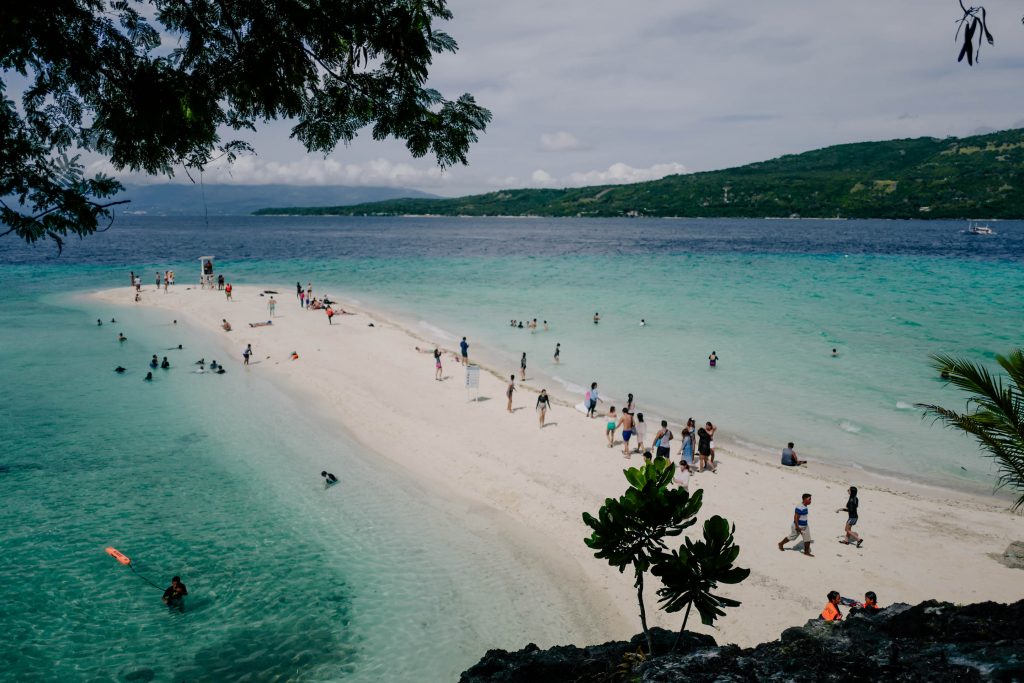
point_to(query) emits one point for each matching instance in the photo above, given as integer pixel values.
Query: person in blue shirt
(464, 347)
(800, 529)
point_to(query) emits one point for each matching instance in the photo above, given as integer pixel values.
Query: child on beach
(611, 426)
(246, 354)
(437, 364)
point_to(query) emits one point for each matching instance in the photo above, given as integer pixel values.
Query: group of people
(166, 279)
(530, 325)
(800, 528)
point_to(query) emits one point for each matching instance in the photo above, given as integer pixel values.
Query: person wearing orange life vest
(831, 611)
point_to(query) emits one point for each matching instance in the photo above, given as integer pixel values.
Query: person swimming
(154, 363)
(329, 479)
(201, 361)
(213, 365)
(99, 323)
(174, 596)
(148, 377)
(118, 369)
(121, 337)
(165, 364)
(113, 320)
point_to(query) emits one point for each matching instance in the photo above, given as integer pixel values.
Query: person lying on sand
(269, 322)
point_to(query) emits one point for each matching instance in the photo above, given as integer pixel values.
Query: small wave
(569, 386)
(438, 332)
(903, 405)
(850, 427)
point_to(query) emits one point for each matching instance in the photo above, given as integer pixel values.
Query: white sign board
(472, 376)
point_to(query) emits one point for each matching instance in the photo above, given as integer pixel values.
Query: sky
(588, 92)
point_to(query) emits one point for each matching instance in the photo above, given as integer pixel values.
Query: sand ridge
(920, 542)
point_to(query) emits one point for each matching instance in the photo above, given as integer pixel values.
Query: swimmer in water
(121, 337)
(329, 479)
(713, 359)
(597, 318)
(165, 364)
(112, 320)
(643, 323)
(834, 353)
(118, 369)
(213, 365)
(154, 363)
(148, 377)
(174, 596)
(99, 323)
(201, 361)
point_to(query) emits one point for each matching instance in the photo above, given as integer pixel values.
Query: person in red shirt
(227, 290)
(330, 315)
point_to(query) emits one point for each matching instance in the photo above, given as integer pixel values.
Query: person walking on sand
(330, 315)
(543, 404)
(246, 354)
(800, 529)
(437, 364)
(851, 537)
(641, 432)
(511, 388)
(522, 367)
(662, 441)
(610, 425)
(558, 352)
(271, 306)
(464, 349)
(302, 299)
(626, 422)
(592, 399)
(227, 291)
(298, 290)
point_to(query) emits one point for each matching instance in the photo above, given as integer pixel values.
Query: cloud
(616, 174)
(254, 170)
(560, 142)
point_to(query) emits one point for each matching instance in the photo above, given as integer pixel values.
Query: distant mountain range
(174, 199)
(975, 177)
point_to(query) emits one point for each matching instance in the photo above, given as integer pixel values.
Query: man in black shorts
(663, 439)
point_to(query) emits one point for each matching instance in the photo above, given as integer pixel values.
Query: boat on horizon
(975, 229)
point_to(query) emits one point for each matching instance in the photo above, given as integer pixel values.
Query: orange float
(118, 555)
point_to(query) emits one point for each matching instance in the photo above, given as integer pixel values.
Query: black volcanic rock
(932, 641)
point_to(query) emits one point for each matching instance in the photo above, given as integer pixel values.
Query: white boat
(975, 229)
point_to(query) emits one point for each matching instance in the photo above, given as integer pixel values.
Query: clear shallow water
(216, 478)
(210, 476)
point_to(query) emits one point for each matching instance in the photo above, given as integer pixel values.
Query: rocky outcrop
(1014, 555)
(933, 641)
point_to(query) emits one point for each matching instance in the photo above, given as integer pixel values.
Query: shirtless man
(626, 423)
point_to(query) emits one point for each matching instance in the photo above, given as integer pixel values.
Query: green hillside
(974, 177)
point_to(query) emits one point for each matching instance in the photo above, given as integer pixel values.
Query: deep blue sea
(207, 479)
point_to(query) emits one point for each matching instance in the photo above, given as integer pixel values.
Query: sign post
(473, 380)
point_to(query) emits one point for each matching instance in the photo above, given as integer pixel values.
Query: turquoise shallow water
(215, 477)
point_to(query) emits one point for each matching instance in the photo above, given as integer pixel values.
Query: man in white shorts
(800, 528)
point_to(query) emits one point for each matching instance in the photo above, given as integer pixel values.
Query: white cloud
(560, 142)
(616, 174)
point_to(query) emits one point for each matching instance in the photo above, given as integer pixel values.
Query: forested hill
(974, 177)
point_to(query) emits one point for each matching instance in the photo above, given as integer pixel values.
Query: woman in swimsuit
(543, 403)
(611, 426)
(713, 359)
(437, 364)
(522, 367)
(509, 390)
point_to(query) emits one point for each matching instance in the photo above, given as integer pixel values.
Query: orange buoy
(118, 555)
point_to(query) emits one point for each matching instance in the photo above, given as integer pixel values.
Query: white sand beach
(920, 542)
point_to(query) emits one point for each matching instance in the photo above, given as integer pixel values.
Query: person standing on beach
(704, 449)
(686, 452)
(522, 367)
(543, 404)
(558, 351)
(131, 279)
(641, 432)
(309, 293)
(246, 354)
(630, 404)
(852, 537)
(626, 422)
(610, 426)
(302, 299)
(330, 315)
(511, 388)
(662, 441)
(713, 359)
(158, 280)
(172, 276)
(711, 429)
(437, 364)
(800, 529)
(227, 291)
(464, 348)
(592, 399)
(271, 306)
(167, 280)
(298, 290)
